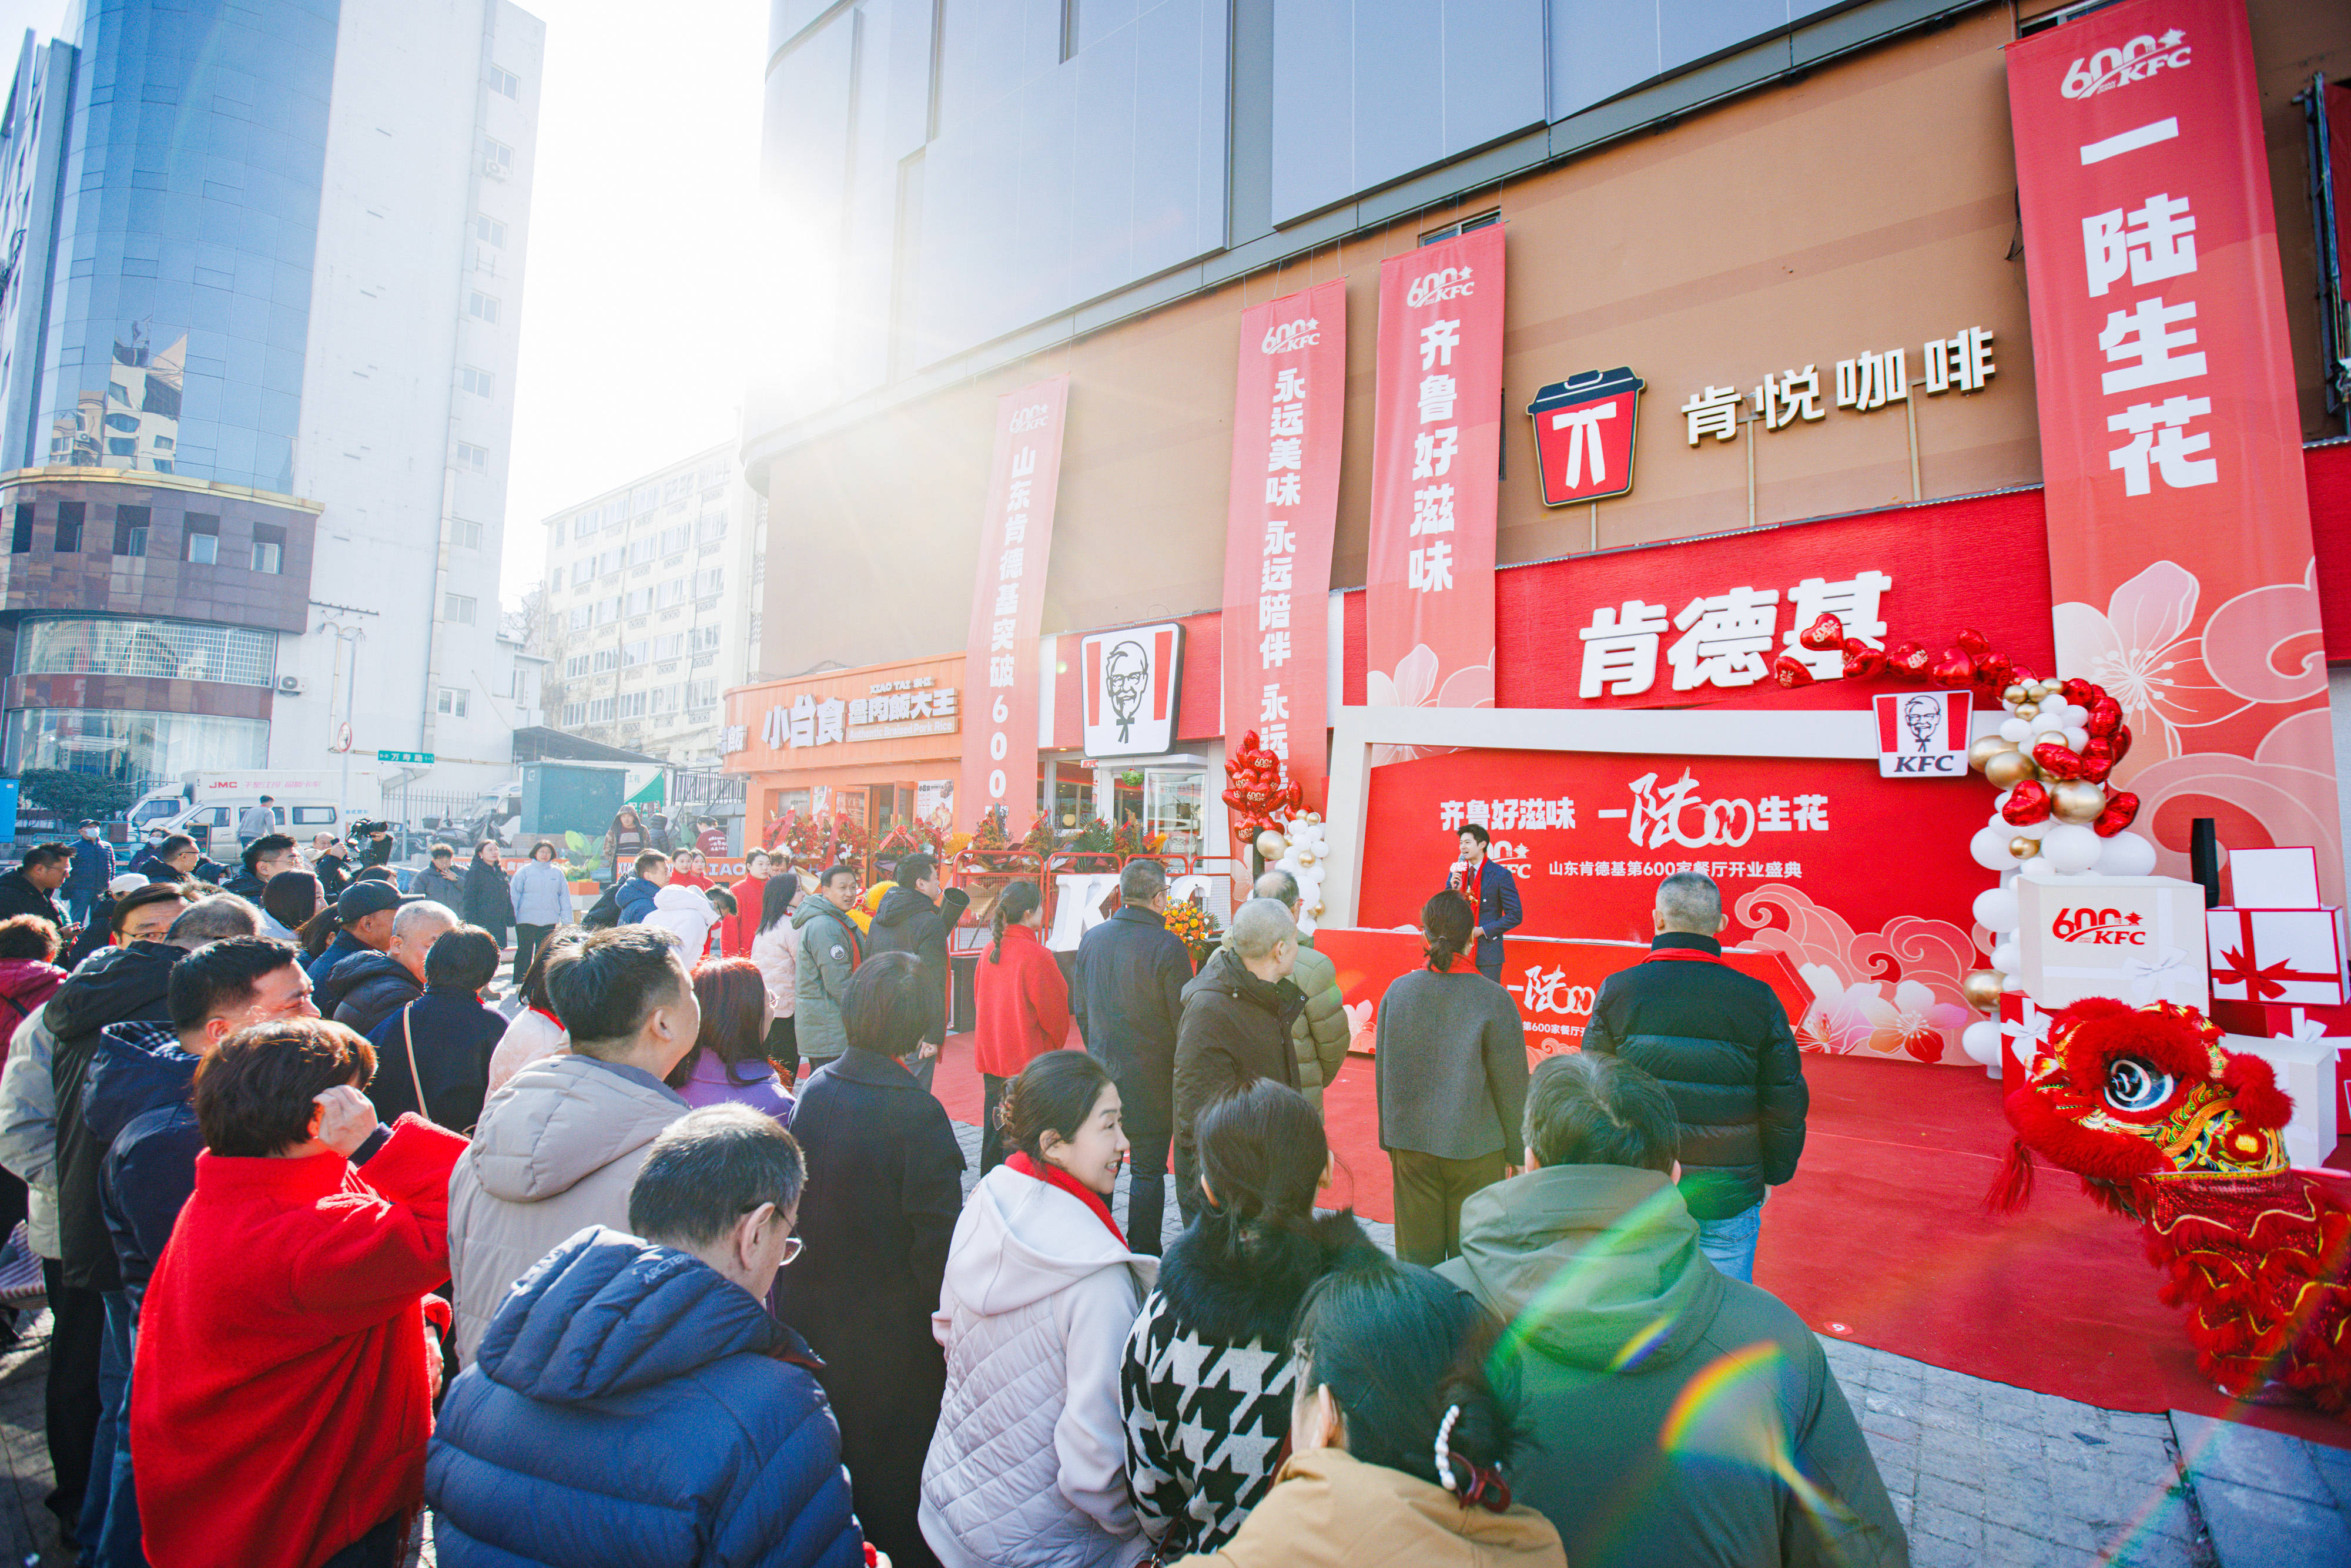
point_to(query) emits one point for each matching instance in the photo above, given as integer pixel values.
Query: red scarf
(1054, 1175)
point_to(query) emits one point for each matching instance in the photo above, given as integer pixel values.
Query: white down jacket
(1028, 1465)
(687, 911)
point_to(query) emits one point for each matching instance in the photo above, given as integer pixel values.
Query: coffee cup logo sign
(2099, 928)
(1583, 435)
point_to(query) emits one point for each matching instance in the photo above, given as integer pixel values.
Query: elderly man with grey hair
(363, 991)
(1235, 1029)
(1320, 1032)
(1720, 1043)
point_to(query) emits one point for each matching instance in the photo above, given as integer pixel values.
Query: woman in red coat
(282, 1388)
(737, 932)
(1022, 1006)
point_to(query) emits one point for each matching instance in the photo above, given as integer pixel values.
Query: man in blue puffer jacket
(633, 1401)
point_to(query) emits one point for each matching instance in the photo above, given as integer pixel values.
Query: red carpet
(1882, 1240)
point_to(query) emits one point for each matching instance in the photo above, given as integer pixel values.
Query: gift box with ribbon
(2135, 938)
(2265, 1019)
(2023, 1036)
(2292, 956)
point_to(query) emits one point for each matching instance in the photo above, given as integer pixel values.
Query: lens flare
(1730, 1414)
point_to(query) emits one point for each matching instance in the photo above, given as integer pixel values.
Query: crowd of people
(671, 1260)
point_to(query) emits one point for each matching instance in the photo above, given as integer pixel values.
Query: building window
(453, 702)
(269, 549)
(641, 550)
(640, 601)
(504, 82)
(555, 581)
(675, 540)
(677, 487)
(477, 459)
(706, 583)
(644, 499)
(599, 710)
(701, 693)
(668, 645)
(130, 530)
(616, 513)
(497, 158)
(464, 535)
(70, 513)
(713, 525)
(632, 705)
(134, 745)
(608, 610)
(607, 659)
(702, 638)
(459, 608)
(166, 650)
(21, 541)
(665, 698)
(585, 524)
(200, 545)
(480, 382)
(1479, 221)
(608, 564)
(482, 307)
(673, 592)
(636, 653)
(575, 665)
(489, 231)
(574, 714)
(581, 616)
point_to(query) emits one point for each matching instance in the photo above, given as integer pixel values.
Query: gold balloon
(2026, 710)
(2023, 848)
(2012, 696)
(2077, 800)
(1981, 989)
(2008, 769)
(1984, 750)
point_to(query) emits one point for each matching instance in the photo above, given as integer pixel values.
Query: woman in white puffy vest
(1027, 1469)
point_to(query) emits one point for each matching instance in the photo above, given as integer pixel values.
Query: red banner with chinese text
(2180, 547)
(1015, 542)
(1862, 884)
(1288, 413)
(1436, 434)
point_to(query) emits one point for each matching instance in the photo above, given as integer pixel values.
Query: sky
(638, 285)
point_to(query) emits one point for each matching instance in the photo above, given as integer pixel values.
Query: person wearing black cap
(363, 914)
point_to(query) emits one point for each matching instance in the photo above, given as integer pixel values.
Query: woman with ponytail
(1451, 1066)
(1020, 1006)
(1027, 1464)
(1211, 1352)
(1397, 1438)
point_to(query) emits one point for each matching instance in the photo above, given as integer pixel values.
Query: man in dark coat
(1236, 1028)
(440, 882)
(637, 1396)
(1493, 895)
(32, 888)
(366, 910)
(877, 1221)
(916, 917)
(264, 858)
(1615, 1323)
(365, 990)
(1720, 1043)
(1129, 1002)
(93, 868)
(453, 1033)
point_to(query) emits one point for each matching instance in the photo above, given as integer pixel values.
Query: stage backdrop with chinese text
(1015, 543)
(1289, 408)
(1860, 884)
(1435, 455)
(2180, 534)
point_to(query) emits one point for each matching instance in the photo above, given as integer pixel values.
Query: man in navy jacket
(633, 1401)
(1492, 892)
(1129, 1002)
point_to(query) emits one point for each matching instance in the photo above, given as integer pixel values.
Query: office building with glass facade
(256, 365)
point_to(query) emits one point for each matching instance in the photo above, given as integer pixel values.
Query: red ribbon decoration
(2260, 982)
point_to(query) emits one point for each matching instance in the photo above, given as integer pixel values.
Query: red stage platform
(1882, 1240)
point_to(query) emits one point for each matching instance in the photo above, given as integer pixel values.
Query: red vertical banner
(1436, 440)
(1288, 412)
(1015, 543)
(2180, 543)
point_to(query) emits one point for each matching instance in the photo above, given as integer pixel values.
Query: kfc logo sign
(1292, 335)
(2098, 927)
(1132, 679)
(1583, 435)
(1036, 416)
(1922, 735)
(2135, 61)
(1449, 283)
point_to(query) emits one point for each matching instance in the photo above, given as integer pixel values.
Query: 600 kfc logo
(2135, 61)
(1447, 283)
(1291, 335)
(1036, 416)
(2099, 928)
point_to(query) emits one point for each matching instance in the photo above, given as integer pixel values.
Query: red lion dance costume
(2164, 1126)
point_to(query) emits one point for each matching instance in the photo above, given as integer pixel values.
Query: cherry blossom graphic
(1849, 975)
(2139, 649)
(1415, 685)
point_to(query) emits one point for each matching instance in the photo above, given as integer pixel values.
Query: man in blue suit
(1492, 892)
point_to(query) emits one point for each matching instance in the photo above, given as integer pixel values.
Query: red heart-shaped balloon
(1957, 670)
(1974, 643)
(1823, 634)
(2098, 759)
(1910, 661)
(2105, 716)
(2121, 738)
(2076, 690)
(2027, 803)
(1791, 672)
(1861, 660)
(2057, 759)
(2020, 675)
(2119, 812)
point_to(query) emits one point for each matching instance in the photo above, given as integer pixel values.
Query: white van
(303, 804)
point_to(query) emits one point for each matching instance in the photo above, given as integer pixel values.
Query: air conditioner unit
(290, 686)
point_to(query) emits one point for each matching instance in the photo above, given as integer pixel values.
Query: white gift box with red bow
(2289, 957)
(2139, 939)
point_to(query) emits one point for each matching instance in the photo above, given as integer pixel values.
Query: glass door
(1174, 803)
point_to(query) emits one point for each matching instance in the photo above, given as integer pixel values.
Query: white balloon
(1996, 820)
(1990, 848)
(1981, 1040)
(2034, 830)
(2015, 730)
(2071, 848)
(2126, 854)
(2077, 737)
(1995, 909)
(2038, 866)
(2048, 724)
(2007, 959)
